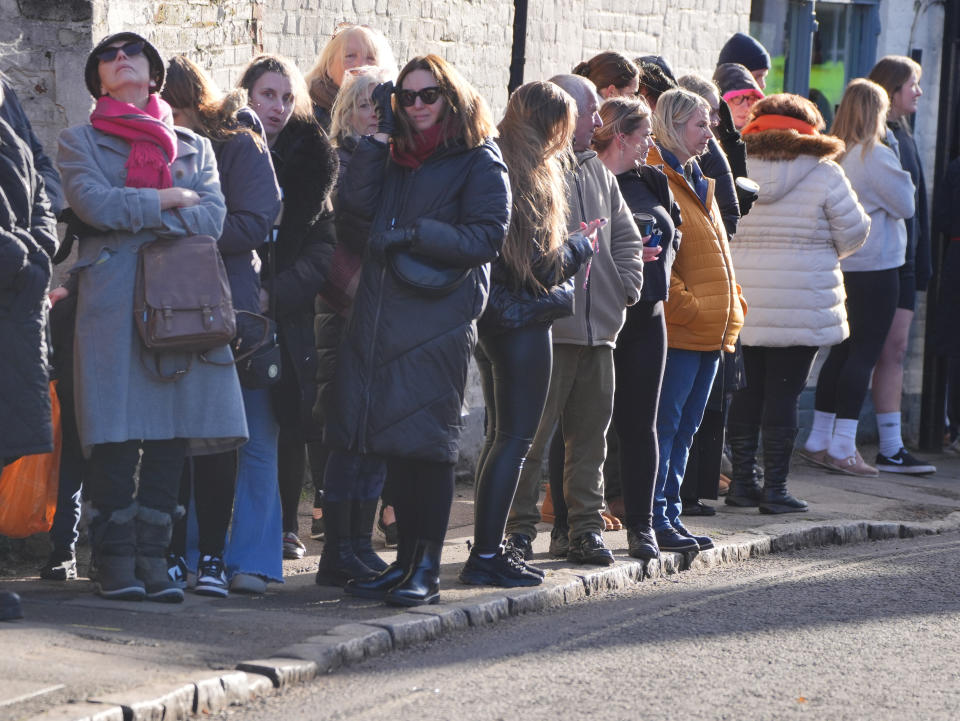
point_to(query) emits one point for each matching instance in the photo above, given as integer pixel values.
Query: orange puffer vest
(705, 309)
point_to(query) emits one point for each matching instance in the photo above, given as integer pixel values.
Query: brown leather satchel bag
(182, 300)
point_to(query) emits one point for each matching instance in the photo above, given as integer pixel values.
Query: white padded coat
(787, 251)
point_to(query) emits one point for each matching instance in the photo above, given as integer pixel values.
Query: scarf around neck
(153, 143)
(777, 122)
(424, 145)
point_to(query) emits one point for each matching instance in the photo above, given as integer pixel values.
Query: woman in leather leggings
(514, 353)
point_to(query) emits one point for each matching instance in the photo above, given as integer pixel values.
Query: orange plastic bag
(28, 486)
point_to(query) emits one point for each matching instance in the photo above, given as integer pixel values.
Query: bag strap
(264, 339)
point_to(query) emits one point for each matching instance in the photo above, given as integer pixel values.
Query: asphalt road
(870, 631)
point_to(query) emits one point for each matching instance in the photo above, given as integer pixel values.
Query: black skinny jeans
(292, 454)
(775, 379)
(112, 469)
(639, 362)
(424, 495)
(514, 370)
(871, 303)
(212, 479)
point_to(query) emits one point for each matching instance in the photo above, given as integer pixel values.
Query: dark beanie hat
(743, 49)
(91, 72)
(734, 79)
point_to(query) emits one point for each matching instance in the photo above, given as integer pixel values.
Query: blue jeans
(255, 541)
(686, 387)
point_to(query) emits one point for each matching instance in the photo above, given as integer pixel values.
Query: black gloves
(383, 107)
(395, 238)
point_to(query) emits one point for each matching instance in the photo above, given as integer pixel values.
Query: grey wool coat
(118, 395)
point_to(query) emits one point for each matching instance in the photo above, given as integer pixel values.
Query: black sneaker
(503, 569)
(589, 548)
(696, 507)
(642, 544)
(211, 577)
(519, 544)
(904, 462)
(559, 541)
(60, 567)
(177, 569)
(705, 542)
(670, 540)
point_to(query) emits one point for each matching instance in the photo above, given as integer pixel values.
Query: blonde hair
(674, 108)
(619, 115)
(536, 136)
(263, 64)
(358, 84)
(323, 87)
(465, 114)
(861, 117)
(892, 72)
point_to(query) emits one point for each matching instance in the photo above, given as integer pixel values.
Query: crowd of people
(594, 251)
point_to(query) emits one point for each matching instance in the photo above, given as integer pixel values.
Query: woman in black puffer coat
(28, 239)
(531, 285)
(439, 197)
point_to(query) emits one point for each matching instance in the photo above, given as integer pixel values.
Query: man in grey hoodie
(582, 380)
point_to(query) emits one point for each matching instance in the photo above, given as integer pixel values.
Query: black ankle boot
(339, 563)
(376, 588)
(421, 585)
(777, 449)
(362, 515)
(744, 441)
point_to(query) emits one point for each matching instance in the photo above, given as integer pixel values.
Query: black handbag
(426, 275)
(256, 350)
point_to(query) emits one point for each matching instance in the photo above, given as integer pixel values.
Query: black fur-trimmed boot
(154, 531)
(114, 541)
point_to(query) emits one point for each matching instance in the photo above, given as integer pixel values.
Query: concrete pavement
(76, 656)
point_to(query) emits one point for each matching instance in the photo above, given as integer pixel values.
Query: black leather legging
(515, 373)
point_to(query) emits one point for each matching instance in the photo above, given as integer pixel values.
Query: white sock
(822, 431)
(844, 441)
(888, 428)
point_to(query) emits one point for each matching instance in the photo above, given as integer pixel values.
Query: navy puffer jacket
(28, 239)
(403, 361)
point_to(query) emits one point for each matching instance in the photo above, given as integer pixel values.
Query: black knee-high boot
(744, 442)
(777, 449)
(362, 515)
(339, 562)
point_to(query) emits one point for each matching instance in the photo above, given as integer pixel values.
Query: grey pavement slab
(73, 647)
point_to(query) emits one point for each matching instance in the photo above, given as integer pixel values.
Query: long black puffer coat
(306, 168)
(28, 239)
(403, 362)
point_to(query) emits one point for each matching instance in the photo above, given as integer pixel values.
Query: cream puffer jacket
(787, 251)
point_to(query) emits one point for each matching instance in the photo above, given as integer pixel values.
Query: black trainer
(519, 544)
(904, 462)
(502, 569)
(705, 542)
(61, 566)
(670, 540)
(589, 548)
(642, 543)
(211, 577)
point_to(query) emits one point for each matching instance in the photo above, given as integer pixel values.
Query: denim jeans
(255, 542)
(686, 387)
(353, 476)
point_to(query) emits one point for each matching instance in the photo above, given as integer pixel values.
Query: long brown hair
(536, 136)
(861, 117)
(892, 72)
(189, 88)
(262, 64)
(465, 115)
(619, 116)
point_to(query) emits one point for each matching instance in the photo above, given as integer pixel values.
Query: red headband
(777, 122)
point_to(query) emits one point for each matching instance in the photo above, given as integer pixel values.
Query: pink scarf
(153, 143)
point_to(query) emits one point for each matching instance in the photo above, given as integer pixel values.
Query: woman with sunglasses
(439, 202)
(351, 46)
(133, 178)
(303, 238)
(227, 482)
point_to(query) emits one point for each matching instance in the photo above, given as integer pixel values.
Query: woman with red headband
(787, 254)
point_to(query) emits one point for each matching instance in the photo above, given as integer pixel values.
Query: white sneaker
(211, 577)
(248, 583)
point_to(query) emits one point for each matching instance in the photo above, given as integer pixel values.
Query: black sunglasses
(429, 96)
(134, 47)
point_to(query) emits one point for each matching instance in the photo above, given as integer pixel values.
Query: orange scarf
(777, 122)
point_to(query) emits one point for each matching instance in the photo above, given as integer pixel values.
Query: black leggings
(424, 495)
(639, 363)
(213, 480)
(291, 465)
(775, 379)
(871, 303)
(515, 373)
(118, 474)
